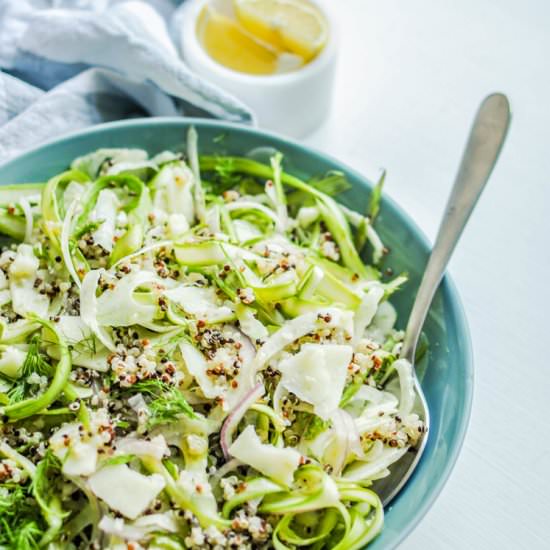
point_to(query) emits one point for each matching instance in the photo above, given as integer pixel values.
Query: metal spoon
(482, 149)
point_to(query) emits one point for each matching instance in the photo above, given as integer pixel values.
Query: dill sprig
(17, 392)
(19, 522)
(35, 362)
(166, 403)
(87, 344)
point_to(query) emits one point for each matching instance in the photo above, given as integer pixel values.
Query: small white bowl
(292, 103)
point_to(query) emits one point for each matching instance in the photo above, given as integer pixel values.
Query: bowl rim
(447, 285)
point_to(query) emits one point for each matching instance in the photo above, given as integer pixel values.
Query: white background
(411, 75)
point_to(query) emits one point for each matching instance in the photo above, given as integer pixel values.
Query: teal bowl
(447, 374)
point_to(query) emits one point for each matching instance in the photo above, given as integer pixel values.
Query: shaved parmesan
(126, 490)
(300, 326)
(81, 460)
(317, 375)
(276, 463)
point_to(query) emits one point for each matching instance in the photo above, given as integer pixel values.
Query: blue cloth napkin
(67, 64)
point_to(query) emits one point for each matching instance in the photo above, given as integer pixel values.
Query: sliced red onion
(237, 414)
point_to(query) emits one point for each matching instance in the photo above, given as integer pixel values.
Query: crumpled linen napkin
(67, 64)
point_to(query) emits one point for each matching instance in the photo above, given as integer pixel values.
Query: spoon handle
(484, 144)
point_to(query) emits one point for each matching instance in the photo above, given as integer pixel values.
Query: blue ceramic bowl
(448, 377)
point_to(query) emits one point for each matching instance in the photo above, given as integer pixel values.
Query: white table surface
(410, 78)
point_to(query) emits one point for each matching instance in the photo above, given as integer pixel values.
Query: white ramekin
(293, 103)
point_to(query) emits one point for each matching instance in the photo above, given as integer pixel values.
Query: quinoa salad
(195, 352)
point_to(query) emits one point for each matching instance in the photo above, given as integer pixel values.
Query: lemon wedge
(232, 46)
(297, 26)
